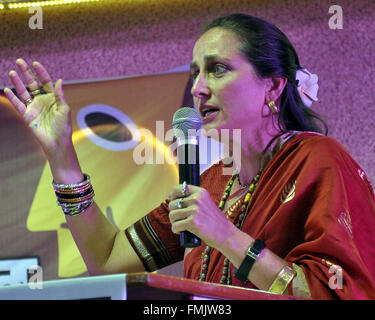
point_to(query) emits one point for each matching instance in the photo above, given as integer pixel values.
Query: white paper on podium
(16, 271)
(111, 287)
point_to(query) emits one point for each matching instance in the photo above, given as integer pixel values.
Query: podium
(152, 285)
(132, 286)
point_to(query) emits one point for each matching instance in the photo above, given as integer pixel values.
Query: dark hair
(271, 53)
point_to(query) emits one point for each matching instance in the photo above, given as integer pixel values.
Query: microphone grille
(185, 119)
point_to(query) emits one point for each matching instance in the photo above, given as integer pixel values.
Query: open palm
(44, 108)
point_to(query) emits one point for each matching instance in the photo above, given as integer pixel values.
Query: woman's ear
(274, 88)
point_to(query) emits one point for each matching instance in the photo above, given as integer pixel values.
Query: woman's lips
(210, 117)
(208, 113)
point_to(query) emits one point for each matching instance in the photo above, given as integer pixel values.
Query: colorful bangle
(72, 195)
(252, 255)
(71, 186)
(74, 198)
(282, 280)
(73, 209)
(73, 191)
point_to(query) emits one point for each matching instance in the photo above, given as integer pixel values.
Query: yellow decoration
(43, 3)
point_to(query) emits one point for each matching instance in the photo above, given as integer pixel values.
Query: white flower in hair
(307, 86)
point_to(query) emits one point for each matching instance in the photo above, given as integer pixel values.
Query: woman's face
(226, 90)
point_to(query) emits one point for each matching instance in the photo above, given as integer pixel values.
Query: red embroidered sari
(313, 207)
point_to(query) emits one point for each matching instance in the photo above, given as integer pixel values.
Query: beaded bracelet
(74, 198)
(281, 282)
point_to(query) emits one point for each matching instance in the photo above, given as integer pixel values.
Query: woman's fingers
(182, 208)
(183, 190)
(21, 90)
(181, 203)
(31, 80)
(181, 219)
(59, 93)
(17, 103)
(44, 77)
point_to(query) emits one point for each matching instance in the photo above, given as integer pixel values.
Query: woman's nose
(200, 87)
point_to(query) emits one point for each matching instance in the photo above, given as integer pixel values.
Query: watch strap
(252, 255)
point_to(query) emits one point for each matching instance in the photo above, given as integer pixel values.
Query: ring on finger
(180, 203)
(28, 101)
(184, 189)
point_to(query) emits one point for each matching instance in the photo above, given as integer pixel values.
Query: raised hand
(43, 107)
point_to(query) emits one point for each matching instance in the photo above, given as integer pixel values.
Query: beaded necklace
(226, 277)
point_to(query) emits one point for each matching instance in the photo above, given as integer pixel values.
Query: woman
(295, 219)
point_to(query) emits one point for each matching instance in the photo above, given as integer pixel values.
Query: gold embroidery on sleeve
(345, 220)
(146, 256)
(288, 192)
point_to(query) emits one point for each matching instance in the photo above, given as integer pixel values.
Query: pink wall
(123, 38)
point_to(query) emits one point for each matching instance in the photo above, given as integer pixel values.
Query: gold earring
(273, 107)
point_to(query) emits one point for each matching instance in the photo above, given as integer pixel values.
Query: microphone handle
(189, 172)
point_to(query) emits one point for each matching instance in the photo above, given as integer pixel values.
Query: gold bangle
(77, 200)
(74, 191)
(72, 186)
(281, 282)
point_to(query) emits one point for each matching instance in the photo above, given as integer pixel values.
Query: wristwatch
(252, 255)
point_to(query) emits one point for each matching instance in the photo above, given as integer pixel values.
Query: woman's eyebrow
(208, 59)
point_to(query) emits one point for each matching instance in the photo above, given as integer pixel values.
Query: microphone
(186, 122)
